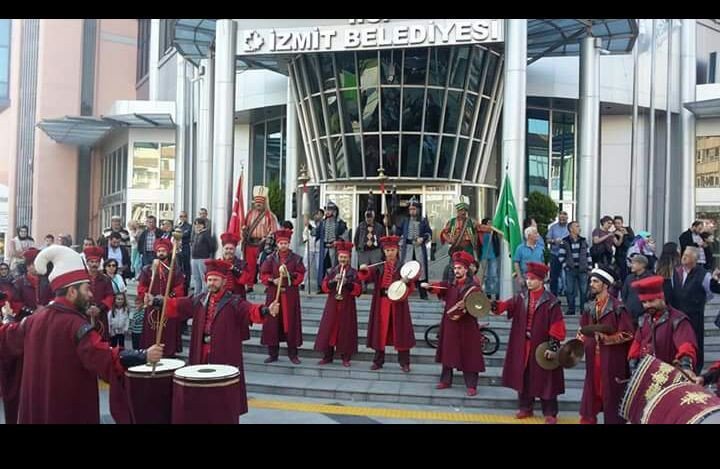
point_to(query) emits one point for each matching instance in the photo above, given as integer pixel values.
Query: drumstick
(622, 381)
(377, 263)
(177, 235)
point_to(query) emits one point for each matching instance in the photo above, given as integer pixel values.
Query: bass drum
(398, 291)
(651, 377)
(682, 403)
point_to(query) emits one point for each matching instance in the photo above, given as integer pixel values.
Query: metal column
(688, 81)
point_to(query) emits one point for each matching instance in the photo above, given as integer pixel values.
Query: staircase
(390, 385)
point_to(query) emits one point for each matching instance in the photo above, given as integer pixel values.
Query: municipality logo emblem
(253, 42)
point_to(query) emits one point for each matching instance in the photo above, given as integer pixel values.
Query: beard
(82, 304)
(162, 257)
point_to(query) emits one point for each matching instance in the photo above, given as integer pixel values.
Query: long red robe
(606, 360)
(286, 326)
(231, 318)
(668, 336)
(170, 334)
(338, 326)
(547, 323)
(103, 298)
(461, 342)
(60, 373)
(389, 322)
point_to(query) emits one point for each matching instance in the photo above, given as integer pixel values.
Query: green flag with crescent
(506, 217)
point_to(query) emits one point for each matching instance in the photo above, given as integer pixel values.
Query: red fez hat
(649, 288)
(229, 238)
(217, 267)
(343, 247)
(162, 243)
(464, 258)
(283, 234)
(94, 253)
(391, 241)
(30, 254)
(537, 270)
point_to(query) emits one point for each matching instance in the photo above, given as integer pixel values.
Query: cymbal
(477, 304)
(544, 363)
(571, 353)
(591, 329)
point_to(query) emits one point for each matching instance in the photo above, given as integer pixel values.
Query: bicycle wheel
(491, 341)
(432, 335)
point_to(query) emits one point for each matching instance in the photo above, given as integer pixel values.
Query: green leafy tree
(276, 199)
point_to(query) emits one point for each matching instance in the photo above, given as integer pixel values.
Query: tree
(276, 199)
(543, 209)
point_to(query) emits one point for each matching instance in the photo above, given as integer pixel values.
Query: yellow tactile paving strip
(390, 413)
(397, 413)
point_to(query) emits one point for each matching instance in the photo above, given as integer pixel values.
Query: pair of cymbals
(569, 355)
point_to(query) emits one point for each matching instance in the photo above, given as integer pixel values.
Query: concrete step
(422, 373)
(360, 390)
(419, 355)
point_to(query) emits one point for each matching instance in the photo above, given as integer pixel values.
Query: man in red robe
(338, 326)
(63, 354)
(102, 290)
(461, 341)
(260, 223)
(605, 352)
(664, 332)
(389, 322)
(221, 322)
(33, 290)
(170, 336)
(285, 270)
(30, 292)
(239, 274)
(536, 318)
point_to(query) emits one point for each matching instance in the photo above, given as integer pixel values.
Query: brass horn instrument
(338, 293)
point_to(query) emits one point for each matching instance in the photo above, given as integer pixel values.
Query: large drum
(206, 394)
(150, 396)
(682, 403)
(398, 291)
(410, 271)
(651, 377)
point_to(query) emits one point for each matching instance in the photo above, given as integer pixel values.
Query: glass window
(538, 129)
(492, 68)
(338, 154)
(351, 115)
(563, 144)
(143, 48)
(433, 110)
(474, 155)
(415, 66)
(482, 115)
(707, 163)
(272, 155)
(468, 114)
(333, 114)
(369, 100)
(391, 154)
(258, 154)
(412, 109)
(355, 155)
(167, 166)
(167, 35)
(327, 71)
(460, 158)
(372, 154)
(458, 70)
(146, 165)
(476, 66)
(368, 67)
(390, 109)
(429, 150)
(390, 66)
(446, 154)
(452, 111)
(140, 210)
(311, 67)
(439, 58)
(410, 155)
(5, 32)
(319, 115)
(347, 73)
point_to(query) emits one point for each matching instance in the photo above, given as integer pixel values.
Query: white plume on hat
(68, 266)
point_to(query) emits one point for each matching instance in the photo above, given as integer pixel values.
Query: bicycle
(491, 341)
